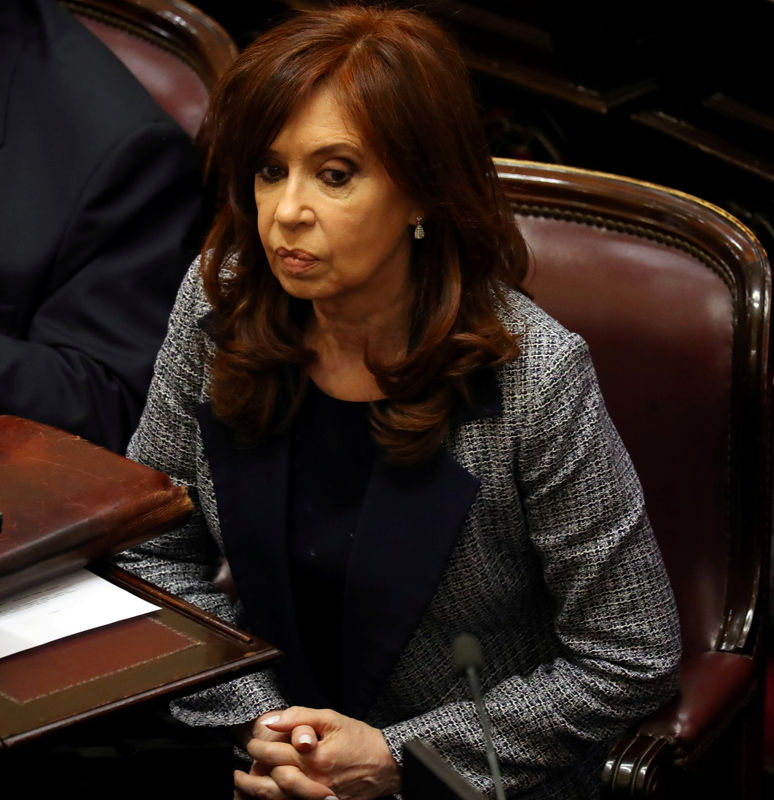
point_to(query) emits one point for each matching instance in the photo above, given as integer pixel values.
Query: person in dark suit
(390, 443)
(99, 197)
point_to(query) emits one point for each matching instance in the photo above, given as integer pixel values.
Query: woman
(390, 443)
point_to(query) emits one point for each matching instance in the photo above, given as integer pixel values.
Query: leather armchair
(673, 296)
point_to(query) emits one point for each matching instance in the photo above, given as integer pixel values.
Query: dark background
(678, 93)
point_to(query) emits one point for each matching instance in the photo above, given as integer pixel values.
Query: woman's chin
(305, 286)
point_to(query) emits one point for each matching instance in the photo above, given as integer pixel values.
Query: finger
(258, 769)
(261, 731)
(273, 754)
(268, 715)
(303, 738)
(257, 786)
(295, 783)
(321, 719)
(268, 735)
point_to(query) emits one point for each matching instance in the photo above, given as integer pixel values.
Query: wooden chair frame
(173, 25)
(721, 688)
(173, 38)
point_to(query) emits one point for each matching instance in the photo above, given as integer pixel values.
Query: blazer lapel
(410, 522)
(251, 487)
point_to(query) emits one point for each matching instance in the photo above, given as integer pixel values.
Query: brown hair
(405, 84)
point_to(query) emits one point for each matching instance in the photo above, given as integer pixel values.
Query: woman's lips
(296, 261)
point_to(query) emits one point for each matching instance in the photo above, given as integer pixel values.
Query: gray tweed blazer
(528, 530)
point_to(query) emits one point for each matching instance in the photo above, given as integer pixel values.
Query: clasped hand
(316, 754)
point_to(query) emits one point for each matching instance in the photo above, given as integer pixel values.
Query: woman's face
(331, 220)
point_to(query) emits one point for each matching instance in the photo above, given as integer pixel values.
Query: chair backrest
(672, 295)
(175, 50)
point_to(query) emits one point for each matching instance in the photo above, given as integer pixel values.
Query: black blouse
(330, 464)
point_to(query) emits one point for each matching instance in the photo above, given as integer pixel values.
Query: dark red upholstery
(713, 683)
(174, 49)
(673, 297)
(658, 324)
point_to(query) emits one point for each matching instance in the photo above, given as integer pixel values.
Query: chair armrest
(714, 687)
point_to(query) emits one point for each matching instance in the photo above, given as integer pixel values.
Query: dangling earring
(419, 231)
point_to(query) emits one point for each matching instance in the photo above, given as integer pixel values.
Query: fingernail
(305, 738)
(271, 720)
(331, 797)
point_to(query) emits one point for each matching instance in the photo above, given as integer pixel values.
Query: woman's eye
(270, 173)
(335, 177)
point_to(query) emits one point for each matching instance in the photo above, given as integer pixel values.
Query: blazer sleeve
(615, 614)
(85, 360)
(186, 560)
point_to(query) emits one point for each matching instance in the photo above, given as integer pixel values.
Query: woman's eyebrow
(324, 150)
(335, 147)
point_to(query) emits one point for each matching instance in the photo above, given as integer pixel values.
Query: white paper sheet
(71, 604)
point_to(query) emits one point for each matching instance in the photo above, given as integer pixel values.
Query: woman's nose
(293, 206)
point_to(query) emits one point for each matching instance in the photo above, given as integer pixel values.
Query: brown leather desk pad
(169, 652)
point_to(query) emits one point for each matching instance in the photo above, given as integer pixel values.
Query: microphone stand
(467, 657)
(426, 775)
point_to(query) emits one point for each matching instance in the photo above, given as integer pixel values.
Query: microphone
(468, 661)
